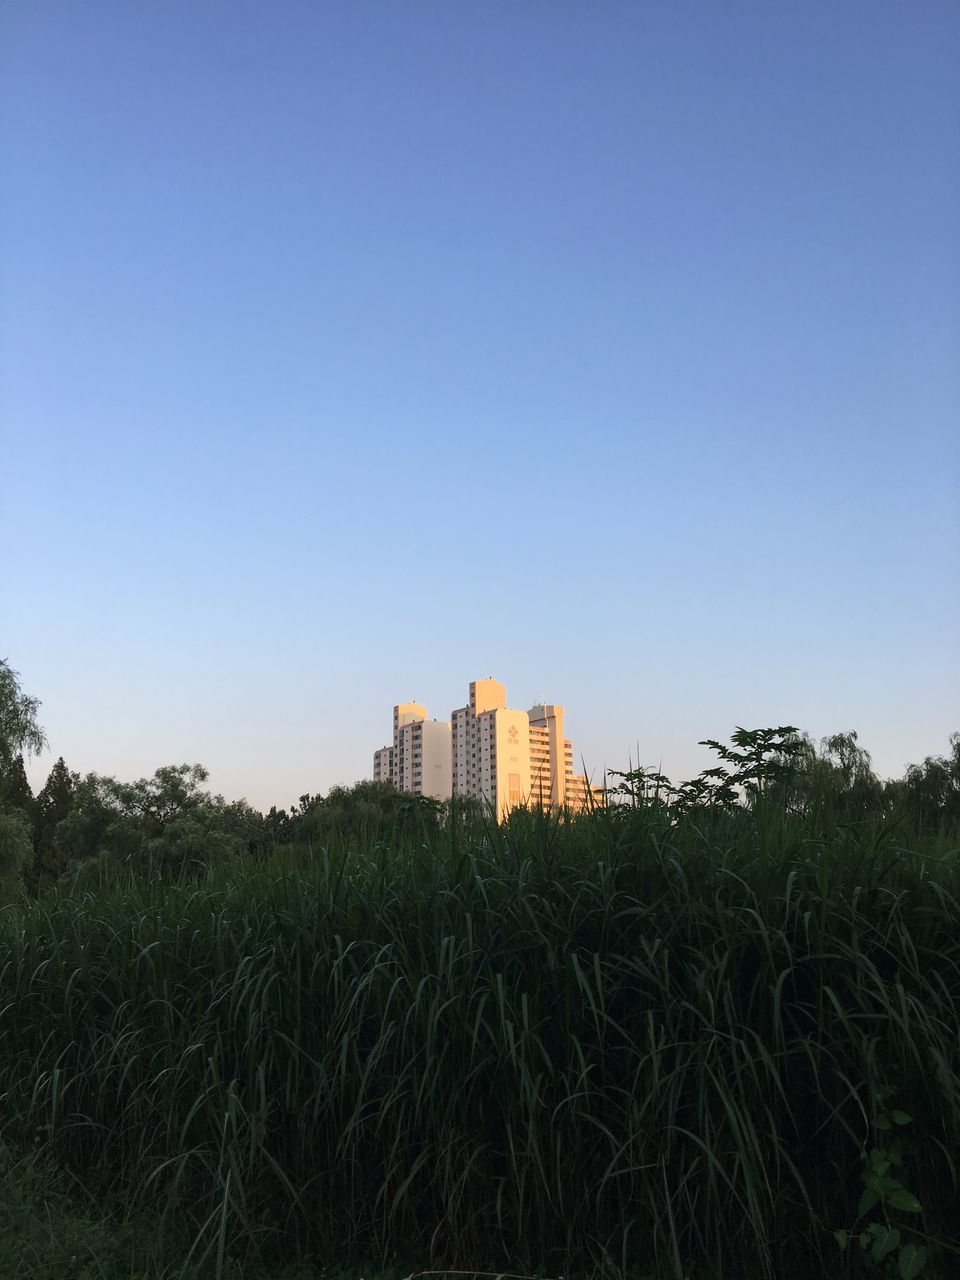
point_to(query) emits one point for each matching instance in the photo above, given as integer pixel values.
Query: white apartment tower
(491, 748)
(549, 760)
(383, 765)
(493, 753)
(419, 760)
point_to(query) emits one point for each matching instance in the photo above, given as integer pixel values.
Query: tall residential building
(383, 765)
(491, 748)
(508, 757)
(489, 751)
(419, 760)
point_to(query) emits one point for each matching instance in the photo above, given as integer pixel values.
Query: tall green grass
(613, 1040)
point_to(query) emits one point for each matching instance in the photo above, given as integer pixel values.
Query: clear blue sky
(352, 351)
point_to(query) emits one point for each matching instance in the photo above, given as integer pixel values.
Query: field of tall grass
(709, 1043)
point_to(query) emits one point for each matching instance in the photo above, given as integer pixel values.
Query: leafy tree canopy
(54, 802)
(55, 798)
(365, 813)
(165, 822)
(15, 792)
(931, 791)
(19, 730)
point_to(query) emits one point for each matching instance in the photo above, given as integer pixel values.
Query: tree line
(88, 826)
(788, 768)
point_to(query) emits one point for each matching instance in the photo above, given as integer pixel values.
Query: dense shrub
(628, 1039)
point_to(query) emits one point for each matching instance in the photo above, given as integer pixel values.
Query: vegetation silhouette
(659, 1037)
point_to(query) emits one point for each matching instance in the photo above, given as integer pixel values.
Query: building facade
(419, 760)
(383, 765)
(494, 754)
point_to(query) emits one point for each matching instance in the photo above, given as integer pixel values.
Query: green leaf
(901, 1198)
(842, 1238)
(879, 1161)
(883, 1122)
(885, 1240)
(867, 1201)
(901, 1117)
(912, 1260)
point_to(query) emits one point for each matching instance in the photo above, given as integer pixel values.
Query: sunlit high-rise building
(496, 754)
(419, 760)
(383, 765)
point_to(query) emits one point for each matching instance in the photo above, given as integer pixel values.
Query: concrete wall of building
(460, 739)
(487, 695)
(435, 760)
(485, 768)
(383, 765)
(421, 761)
(403, 756)
(405, 714)
(511, 749)
(550, 717)
(539, 765)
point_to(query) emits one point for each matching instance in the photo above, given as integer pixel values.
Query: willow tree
(19, 733)
(19, 730)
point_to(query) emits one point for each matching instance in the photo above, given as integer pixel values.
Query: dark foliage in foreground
(641, 1037)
